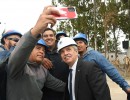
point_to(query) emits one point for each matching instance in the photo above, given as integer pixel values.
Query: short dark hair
(49, 29)
(81, 39)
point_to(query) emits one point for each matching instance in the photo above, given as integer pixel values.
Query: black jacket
(90, 83)
(128, 96)
(60, 70)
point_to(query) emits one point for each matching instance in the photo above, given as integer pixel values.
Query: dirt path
(116, 92)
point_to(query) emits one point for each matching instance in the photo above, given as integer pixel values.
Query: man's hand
(45, 18)
(47, 63)
(128, 90)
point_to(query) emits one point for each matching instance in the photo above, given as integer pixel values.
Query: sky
(20, 15)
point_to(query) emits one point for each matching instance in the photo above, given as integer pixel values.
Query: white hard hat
(64, 42)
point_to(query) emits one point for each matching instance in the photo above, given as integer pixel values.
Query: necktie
(70, 85)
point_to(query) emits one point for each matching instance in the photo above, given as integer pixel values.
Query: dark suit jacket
(90, 83)
(128, 96)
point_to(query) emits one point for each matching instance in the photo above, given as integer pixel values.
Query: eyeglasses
(13, 39)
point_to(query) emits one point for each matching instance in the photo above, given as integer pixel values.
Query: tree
(99, 20)
(125, 18)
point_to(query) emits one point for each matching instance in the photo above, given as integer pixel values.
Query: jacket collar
(89, 49)
(54, 49)
(77, 77)
(33, 64)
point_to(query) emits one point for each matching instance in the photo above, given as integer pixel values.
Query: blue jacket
(2, 48)
(4, 55)
(106, 66)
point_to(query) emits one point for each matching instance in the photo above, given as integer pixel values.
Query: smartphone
(66, 13)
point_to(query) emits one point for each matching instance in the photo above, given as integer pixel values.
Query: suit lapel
(77, 77)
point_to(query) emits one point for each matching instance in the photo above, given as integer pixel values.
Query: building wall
(111, 57)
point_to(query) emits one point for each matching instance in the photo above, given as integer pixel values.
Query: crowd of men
(45, 65)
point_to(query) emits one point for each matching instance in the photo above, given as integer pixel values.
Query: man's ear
(86, 45)
(76, 50)
(6, 40)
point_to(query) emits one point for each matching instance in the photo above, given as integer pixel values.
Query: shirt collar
(74, 65)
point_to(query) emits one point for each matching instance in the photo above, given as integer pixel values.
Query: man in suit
(128, 96)
(86, 81)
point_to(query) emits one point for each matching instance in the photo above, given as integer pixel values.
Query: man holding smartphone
(25, 74)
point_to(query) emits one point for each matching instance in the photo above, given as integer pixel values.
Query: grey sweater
(26, 79)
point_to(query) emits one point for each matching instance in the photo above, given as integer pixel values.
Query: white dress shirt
(73, 78)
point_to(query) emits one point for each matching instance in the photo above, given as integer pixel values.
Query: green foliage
(99, 20)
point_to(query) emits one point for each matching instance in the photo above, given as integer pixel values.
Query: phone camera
(71, 9)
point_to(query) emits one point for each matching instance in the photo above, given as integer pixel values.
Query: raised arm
(21, 53)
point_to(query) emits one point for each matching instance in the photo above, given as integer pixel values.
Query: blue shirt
(106, 66)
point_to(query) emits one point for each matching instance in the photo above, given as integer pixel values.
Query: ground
(116, 92)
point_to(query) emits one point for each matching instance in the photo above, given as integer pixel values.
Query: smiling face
(49, 38)
(82, 47)
(37, 54)
(69, 54)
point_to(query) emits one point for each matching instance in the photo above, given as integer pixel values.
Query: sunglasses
(14, 39)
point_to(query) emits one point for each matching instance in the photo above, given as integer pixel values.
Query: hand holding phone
(66, 13)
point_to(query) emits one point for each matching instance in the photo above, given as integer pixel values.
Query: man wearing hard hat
(89, 54)
(60, 34)
(58, 68)
(9, 39)
(86, 81)
(26, 75)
